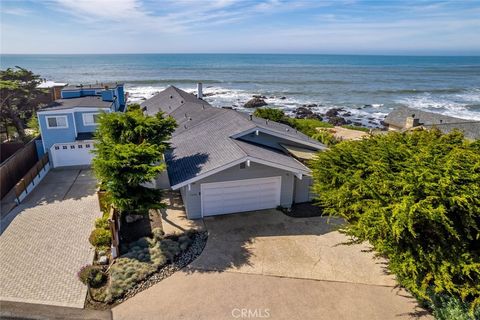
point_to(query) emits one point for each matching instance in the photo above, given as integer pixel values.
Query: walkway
(44, 241)
(266, 265)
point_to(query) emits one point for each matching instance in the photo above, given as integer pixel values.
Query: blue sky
(241, 26)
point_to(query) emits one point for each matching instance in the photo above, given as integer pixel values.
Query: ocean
(367, 87)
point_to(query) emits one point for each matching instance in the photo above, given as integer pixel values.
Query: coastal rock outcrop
(305, 113)
(338, 121)
(255, 103)
(333, 112)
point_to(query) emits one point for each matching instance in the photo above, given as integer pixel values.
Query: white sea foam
(369, 115)
(464, 105)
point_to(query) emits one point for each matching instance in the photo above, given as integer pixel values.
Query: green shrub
(446, 307)
(102, 223)
(415, 197)
(92, 275)
(306, 126)
(143, 257)
(326, 137)
(272, 114)
(309, 126)
(358, 128)
(158, 233)
(100, 238)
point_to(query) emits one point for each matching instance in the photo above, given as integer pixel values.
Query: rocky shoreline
(334, 116)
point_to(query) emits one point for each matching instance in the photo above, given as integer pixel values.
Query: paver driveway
(294, 268)
(44, 241)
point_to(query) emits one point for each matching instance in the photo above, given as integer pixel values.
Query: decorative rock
(133, 217)
(101, 253)
(257, 96)
(255, 103)
(283, 98)
(103, 260)
(196, 247)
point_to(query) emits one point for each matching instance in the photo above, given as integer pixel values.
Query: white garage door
(72, 154)
(240, 195)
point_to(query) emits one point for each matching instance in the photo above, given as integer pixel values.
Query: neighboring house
(67, 125)
(224, 161)
(404, 118)
(54, 90)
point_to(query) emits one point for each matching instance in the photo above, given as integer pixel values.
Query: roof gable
(205, 139)
(168, 101)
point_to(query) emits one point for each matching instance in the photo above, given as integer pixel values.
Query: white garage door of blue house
(240, 195)
(72, 154)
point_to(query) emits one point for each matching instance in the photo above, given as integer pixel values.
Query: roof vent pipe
(199, 90)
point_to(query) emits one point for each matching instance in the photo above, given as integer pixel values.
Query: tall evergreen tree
(18, 91)
(416, 198)
(129, 151)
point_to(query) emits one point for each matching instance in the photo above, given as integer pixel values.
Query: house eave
(296, 171)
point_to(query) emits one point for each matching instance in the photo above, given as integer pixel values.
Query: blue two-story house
(68, 124)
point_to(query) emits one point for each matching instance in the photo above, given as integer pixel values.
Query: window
(242, 165)
(80, 146)
(72, 147)
(64, 147)
(90, 119)
(57, 122)
(87, 146)
(57, 148)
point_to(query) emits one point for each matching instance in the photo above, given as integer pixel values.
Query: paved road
(270, 266)
(45, 241)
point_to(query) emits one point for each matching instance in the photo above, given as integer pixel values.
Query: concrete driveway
(268, 265)
(44, 241)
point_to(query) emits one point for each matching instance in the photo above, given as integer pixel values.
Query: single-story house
(224, 161)
(404, 118)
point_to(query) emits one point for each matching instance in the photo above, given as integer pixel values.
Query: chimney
(411, 122)
(199, 91)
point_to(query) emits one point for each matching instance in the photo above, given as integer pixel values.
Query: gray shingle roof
(203, 140)
(82, 102)
(471, 130)
(446, 124)
(398, 117)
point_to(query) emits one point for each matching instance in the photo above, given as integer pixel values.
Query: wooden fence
(32, 178)
(16, 166)
(114, 220)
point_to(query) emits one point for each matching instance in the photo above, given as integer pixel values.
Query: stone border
(185, 258)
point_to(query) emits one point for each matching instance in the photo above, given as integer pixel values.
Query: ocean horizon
(366, 86)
